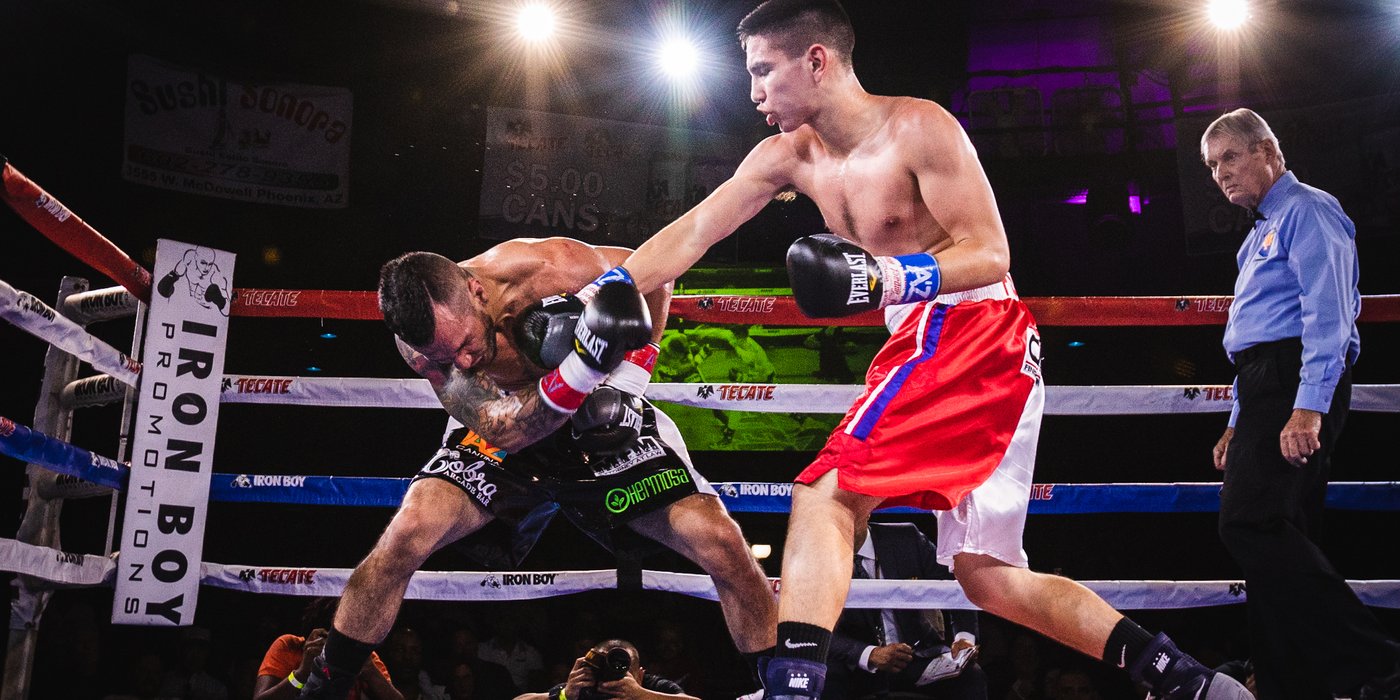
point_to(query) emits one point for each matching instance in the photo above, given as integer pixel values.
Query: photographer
(612, 669)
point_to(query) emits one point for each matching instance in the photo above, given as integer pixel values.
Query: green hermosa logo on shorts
(620, 499)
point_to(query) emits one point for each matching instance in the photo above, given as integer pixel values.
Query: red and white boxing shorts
(949, 420)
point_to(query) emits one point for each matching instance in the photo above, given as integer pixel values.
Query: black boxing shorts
(596, 494)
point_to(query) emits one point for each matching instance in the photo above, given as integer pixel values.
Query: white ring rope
(28, 313)
(92, 570)
(768, 398)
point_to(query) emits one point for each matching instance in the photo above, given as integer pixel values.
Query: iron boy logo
(749, 488)
(204, 281)
(528, 579)
(31, 303)
(176, 414)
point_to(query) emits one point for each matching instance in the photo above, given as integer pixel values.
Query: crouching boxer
(547, 415)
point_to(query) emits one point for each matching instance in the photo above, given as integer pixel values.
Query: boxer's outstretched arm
(509, 421)
(680, 244)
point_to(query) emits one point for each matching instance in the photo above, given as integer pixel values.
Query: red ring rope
(64, 228)
(783, 311)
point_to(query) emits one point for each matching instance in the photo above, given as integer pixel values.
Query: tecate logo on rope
(746, 392)
(295, 577)
(268, 297)
(264, 385)
(743, 305)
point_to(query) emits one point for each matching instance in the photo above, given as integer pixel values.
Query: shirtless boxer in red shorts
(952, 406)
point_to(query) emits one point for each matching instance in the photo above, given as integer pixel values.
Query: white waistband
(1005, 289)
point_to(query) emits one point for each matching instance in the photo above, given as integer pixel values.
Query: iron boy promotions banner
(597, 180)
(275, 143)
(177, 411)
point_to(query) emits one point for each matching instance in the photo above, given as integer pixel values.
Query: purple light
(1135, 202)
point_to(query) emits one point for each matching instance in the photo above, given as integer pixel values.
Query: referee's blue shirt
(1298, 279)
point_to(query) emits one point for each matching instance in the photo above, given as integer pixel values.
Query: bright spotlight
(679, 58)
(1228, 14)
(761, 551)
(535, 22)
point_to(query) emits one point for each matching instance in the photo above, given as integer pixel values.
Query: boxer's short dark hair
(794, 25)
(408, 287)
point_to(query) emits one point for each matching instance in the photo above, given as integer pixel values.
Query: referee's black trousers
(1310, 636)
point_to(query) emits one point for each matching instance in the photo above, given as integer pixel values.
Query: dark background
(422, 75)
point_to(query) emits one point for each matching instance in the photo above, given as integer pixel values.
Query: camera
(607, 666)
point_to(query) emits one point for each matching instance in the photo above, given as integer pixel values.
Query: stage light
(1228, 14)
(761, 551)
(678, 58)
(535, 23)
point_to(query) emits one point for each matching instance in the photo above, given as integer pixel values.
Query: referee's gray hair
(1245, 125)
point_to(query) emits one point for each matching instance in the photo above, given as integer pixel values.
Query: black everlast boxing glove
(833, 277)
(544, 331)
(615, 322)
(608, 422)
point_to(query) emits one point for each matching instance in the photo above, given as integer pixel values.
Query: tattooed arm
(510, 421)
(507, 420)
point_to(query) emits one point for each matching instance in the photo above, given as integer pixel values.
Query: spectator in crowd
(612, 669)
(287, 663)
(1021, 674)
(461, 684)
(931, 653)
(518, 656)
(142, 681)
(676, 363)
(403, 655)
(671, 659)
(1241, 670)
(490, 681)
(830, 344)
(190, 679)
(1072, 683)
(68, 661)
